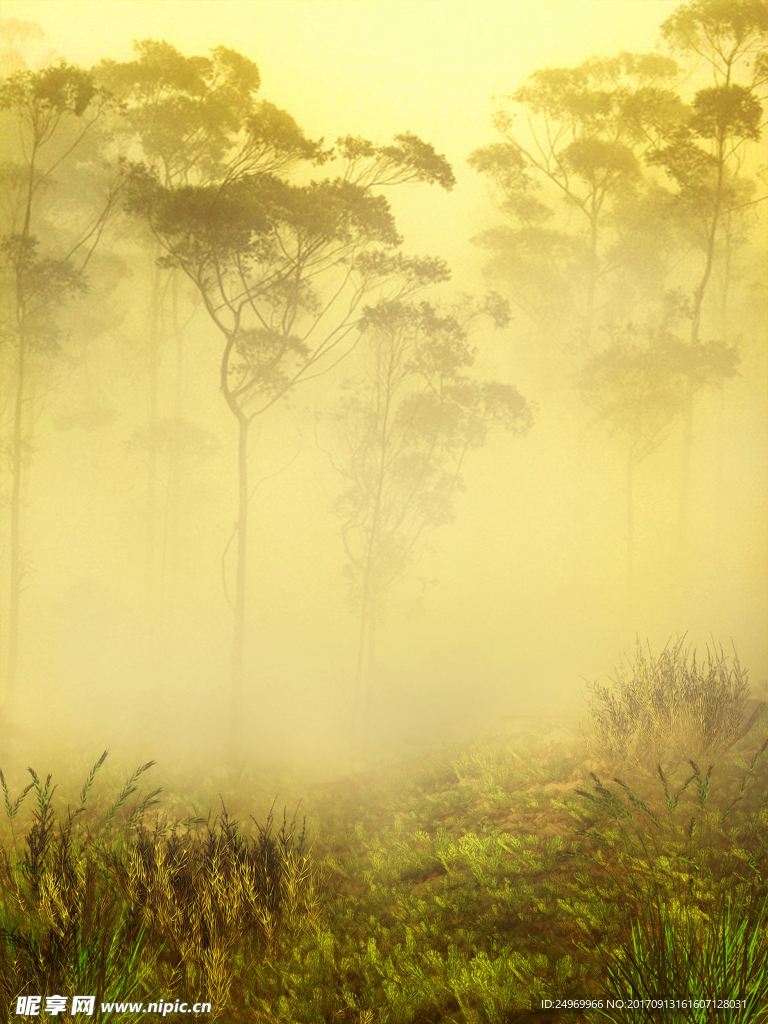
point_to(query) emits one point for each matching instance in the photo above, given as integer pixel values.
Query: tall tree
(55, 114)
(572, 187)
(283, 271)
(185, 114)
(704, 155)
(639, 386)
(649, 183)
(406, 425)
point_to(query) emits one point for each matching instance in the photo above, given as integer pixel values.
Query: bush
(665, 710)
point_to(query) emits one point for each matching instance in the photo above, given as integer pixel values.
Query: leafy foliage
(589, 129)
(196, 115)
(254, 244)
(45, 95)
(722, 33)
(642, 389)
(406, 426)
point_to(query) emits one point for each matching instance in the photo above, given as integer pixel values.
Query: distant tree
(703, 156)
(639, 386)
(188, 112)
(175, 445)
(16, 37)
(573, 189)
(284, 270)
(54, 114)
(185, 115)
(648, 183)
(406, 425)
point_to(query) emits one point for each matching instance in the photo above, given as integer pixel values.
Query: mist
(538, 573)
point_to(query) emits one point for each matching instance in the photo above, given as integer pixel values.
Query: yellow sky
(372, 67)
(430, 66)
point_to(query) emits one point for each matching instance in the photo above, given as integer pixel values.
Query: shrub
(667, 709)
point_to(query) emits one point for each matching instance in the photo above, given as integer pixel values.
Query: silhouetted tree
(186, 116)
(54, 114)
(704, 155)
(406, 426)
(640, 385)
(573, 188)
(284, 269)
(644, 176)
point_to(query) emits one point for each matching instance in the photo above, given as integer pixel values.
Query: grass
(466, 887)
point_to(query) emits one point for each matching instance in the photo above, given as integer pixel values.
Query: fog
(529, 590)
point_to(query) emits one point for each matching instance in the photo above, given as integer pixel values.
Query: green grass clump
(470, 887)
(691, 887)
(62, 924)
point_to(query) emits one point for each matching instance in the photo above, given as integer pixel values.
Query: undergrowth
(492, 884)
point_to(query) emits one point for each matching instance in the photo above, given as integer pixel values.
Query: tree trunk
(361, 711)
(15, 556)
(630, 531)
(368, 606)
(685, 480)
(153, 358)
(592, 280)
(175, 455)
(356, 745)
(698, 304)
(238, 635)
(16, 566)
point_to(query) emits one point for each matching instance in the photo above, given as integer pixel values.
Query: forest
(286, 494)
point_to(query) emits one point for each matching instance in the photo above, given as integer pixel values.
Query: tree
(573, 187)
(649, 183)
(178, 446)
(283, 271)
(704, 155)
(640, 385)
(186, 116)
(187, 112)
(406, 425)
(55, 113)
(725, 34)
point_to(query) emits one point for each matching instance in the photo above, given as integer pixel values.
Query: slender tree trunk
(365, 671)
(373, 624)
(592, 280)
(16, 568)
(725, 294)
(16, 563)
(698, 303)
(172, 517)
(361, 709)
(241, 551)
(630, 531)
(357, 746)
(170, 530)
(701, 288)
(685, 478)
(238, 635)
(153, 360)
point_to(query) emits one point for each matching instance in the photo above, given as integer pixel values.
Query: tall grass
(63, 926)
(124, 914)
(669, 708)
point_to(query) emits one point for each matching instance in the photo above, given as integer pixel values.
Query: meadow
(619, 876)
